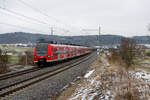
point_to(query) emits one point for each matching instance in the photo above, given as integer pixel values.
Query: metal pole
(26, 60)
(51, 35)
(99, 37)
(51, 30)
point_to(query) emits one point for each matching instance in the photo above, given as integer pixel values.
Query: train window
(58, 51)
(65, 50)
(41, 49)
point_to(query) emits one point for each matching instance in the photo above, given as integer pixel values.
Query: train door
(60, 48)
(58, 53)
(75, 51)
(65, 52)
(52, 53)
(69, 52)
(49, 52)
(72, 51)
(62, 52)
(55, 52)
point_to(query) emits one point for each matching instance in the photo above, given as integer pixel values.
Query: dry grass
(122, 84)
(129, 95)
(114, 79)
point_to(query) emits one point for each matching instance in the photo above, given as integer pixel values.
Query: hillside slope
(21, 37)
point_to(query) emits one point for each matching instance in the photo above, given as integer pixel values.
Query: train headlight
(48, 56)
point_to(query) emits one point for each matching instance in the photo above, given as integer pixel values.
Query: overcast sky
(73, 17)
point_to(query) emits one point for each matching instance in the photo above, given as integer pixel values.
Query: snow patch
(84, 94)
(89, 73)
(93, 95)
(66, 86)
(92, 81)
(141, 74)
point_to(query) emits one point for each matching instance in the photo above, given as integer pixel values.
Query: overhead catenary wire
(26, 17)
(43, 13)
(19, 18)
(18, 14)
(18, 26)
(30, 22)
(38, 10)
(30, 18)
(22, 15)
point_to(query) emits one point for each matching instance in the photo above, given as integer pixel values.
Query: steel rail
(25, 83)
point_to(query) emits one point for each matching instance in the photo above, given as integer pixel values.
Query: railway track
(26, 76)
(17, 73)
(5, 91)
(14, 74)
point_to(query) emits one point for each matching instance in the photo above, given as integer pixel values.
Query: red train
(45, 52)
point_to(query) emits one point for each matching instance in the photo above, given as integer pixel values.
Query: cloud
(123, 17)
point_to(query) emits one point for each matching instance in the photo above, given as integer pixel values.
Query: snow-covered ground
(143, 83)
(141, 74)
(91, 88)
(88, 74)
(105, 83)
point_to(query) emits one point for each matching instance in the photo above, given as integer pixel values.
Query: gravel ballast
(13, 80)
(51, 87)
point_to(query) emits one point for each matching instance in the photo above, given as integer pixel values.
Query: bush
(3, 61)
(124, 55)
(148, 53)
(127, 51)
(22, 60)
(26, 59)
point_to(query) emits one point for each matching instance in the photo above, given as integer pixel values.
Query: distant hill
(90, 40)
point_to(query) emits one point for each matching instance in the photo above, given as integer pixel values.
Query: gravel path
(52, 86)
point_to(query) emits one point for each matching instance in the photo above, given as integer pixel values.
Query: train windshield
(41, 49)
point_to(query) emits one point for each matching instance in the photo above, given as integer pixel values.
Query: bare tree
(149, 31)
(26, 59)
(125, 54)
(29, 57)
(128, 51)
(3, 61)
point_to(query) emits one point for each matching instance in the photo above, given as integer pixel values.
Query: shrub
(125, 54)
(127, 51)
(3, 61)
(148, 53)
(26, 59)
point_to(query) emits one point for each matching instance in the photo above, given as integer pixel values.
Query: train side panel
(44, 53)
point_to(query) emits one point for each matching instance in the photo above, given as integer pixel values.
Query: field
(20, 49)
(13, 58)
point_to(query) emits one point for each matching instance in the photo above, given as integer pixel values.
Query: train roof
(64, 45)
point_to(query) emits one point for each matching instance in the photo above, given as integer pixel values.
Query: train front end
(40, 54)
